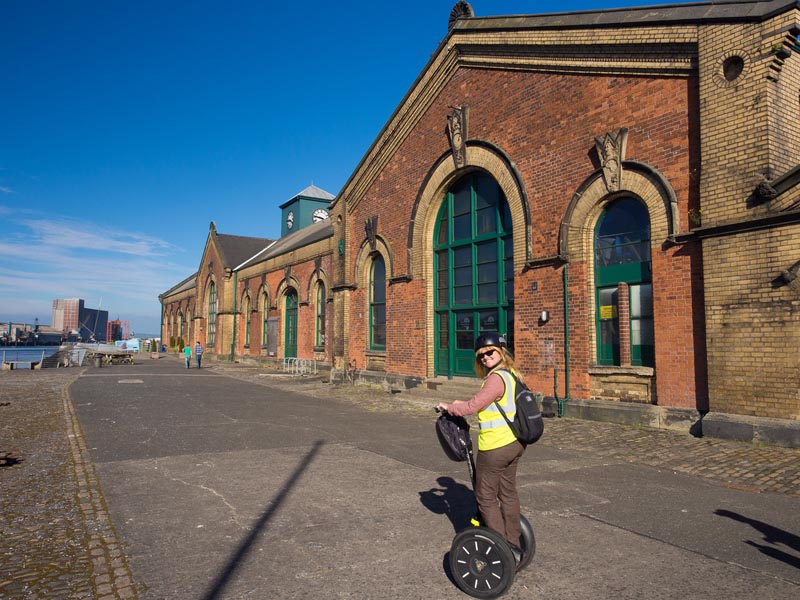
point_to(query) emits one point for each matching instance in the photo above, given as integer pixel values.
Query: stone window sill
(600, 370)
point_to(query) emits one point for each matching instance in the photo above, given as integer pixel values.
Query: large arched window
(264, 319)
(474, 270)
(377, 304)
(622, 266)
(212, 315)
(247, 321)
(319, 336)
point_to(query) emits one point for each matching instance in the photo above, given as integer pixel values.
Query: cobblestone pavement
(57, 541)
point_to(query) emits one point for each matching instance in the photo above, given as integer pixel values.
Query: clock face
(290, 220)
(319, 215)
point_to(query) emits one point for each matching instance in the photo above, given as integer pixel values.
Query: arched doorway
(474, 270)
(290, 337)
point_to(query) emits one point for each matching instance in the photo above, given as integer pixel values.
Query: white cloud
(69, 233)
(58, 257)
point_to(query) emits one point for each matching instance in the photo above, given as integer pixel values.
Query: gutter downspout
(233, 335)
(563, 401)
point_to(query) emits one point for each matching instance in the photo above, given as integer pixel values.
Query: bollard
(98, 361)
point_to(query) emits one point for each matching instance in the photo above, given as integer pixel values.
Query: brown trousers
(496, 489)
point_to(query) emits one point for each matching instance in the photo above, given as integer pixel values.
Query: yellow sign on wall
(608, 312)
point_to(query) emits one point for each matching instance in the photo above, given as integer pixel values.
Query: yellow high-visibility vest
(494, 431)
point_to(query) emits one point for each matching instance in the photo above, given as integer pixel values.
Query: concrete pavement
(231, 482)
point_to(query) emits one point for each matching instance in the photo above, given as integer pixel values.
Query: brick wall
(546, 124)
(751, 133)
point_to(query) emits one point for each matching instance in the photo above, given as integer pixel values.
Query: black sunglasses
(487, 353)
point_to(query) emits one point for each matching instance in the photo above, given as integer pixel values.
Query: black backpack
(453, 434)
(528, 424)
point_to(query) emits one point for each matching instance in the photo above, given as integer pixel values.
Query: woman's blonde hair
(506, 360)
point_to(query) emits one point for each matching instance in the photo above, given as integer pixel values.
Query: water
(26, 353)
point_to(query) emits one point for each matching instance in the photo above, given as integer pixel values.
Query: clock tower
(305, 208)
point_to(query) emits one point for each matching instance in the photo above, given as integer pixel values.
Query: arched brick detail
(481, 156)
(316, 276)
(289, 282)
(264, 297)
(576, 237)
(588, 202)
(363, 261)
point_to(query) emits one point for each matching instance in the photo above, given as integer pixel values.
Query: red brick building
(617, 191)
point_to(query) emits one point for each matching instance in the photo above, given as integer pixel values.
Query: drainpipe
(233, 335)
(563, 401)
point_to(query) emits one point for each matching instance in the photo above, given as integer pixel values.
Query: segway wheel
(481, 563)
(527, 543)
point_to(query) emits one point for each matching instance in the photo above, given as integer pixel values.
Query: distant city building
(70, 315)
(118, 330)
(66, 312)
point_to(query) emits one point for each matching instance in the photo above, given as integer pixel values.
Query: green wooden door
(474, 272)
(290, 337)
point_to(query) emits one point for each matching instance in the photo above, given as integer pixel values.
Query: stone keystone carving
(611, 150)
(457, 130)
(790, 277)
(371, 228)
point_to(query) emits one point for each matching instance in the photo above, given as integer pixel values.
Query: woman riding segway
(503, 531)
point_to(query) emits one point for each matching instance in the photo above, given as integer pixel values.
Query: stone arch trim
(639, 180)
(481, 156)
(203, 297)
(263, 290)
(317, 276)
(246, 296)
(286, 283)
(576, 236)
(363, 260)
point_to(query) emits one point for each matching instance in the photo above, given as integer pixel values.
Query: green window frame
(319, 337)
(212, 315)
(622, 255)
(264, 319)
(377, 304)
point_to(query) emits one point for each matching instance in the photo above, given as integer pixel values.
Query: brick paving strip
(56, 537)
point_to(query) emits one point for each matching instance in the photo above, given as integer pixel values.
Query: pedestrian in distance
(198, 353)
(499, 450)
(187, 354)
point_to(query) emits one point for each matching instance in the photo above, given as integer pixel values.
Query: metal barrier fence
(300, 366)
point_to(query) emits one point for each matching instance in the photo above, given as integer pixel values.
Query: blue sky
(126, 127)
